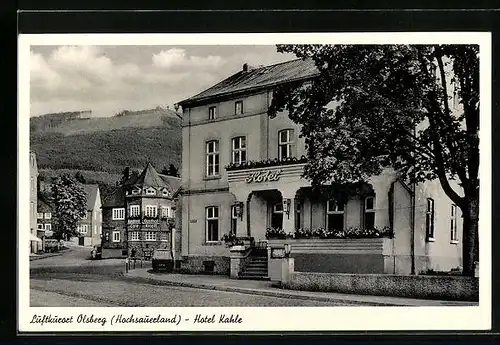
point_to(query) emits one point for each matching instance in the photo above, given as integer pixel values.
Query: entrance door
(277, 215)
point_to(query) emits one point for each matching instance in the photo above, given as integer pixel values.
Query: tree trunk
(470, 247)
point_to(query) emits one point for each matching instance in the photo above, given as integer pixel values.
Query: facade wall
(109, 226)
(34, 246)
(262, 143)
(443, 253)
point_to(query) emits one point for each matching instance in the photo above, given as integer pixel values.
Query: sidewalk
(46, 255)
(264, 288)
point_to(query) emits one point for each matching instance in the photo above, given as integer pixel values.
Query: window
(165, 192)
(100, 229)
(238, 107)
(369, 214)
(453, 224)
(212, 113)
(150, 191)
(116, 236)
(95, 229)
(298, 209)
(135, 236)
(234, 219)
(285, 143)
(135, 211)
(212, 151)
(334, 215)
(118, 214)
(151, 211)
(39, 226)
(32, 184)
(212, 224)
(48, 215)
(48, 227)
(150, 236)
(429, 219)
(39, 215)
(277, 216)
(165, 212)
(135, 191)
(83, 228)
(239, 150)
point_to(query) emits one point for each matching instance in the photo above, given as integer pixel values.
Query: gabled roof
(91, 190)
(256, 78)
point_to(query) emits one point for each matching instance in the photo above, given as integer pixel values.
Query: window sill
(430, 239)
(454, 242)
(212, 243)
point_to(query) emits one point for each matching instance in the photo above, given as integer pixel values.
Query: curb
(33, 258)
(261, 292)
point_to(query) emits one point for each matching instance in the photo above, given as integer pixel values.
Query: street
(70, 280)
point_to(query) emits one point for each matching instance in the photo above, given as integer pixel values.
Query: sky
(109, 79)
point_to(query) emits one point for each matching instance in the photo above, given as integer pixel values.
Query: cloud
(177, 58)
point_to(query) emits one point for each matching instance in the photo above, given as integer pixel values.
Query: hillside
(132, 138)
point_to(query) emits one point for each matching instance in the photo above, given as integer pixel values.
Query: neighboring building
(241, 173)
(44, 217)
(90, 227)
(140, 214)
(35, 242)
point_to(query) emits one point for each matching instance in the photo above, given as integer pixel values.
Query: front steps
(256, 269)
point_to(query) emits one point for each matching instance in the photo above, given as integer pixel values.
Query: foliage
(378, 106)
(230, 239)
(109, 151)
(170, 171)
(79, 177)
(353, 232)
(70, 205)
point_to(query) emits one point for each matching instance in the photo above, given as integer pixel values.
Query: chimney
(245, 67)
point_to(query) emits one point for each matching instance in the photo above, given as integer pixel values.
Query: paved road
(70, 280)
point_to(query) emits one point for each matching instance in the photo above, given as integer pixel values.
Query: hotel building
(242, 173)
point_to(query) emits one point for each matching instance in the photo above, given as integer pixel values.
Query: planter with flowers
(352, 240)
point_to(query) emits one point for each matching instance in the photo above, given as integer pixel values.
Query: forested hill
(131, 138)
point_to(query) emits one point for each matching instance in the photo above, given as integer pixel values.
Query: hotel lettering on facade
(241, 173)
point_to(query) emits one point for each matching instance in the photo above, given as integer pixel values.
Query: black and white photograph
(174, 179)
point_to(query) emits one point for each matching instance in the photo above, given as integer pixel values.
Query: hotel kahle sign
(263, 176)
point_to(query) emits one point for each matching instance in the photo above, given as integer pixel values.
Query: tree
(79, 177)
(70, 205)
(125, 176)
(170, 171)
(376, 106)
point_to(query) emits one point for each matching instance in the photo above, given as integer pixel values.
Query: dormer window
(150, 191)
(165, 192)
(135, 191)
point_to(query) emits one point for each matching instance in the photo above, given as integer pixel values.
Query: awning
(34, 238)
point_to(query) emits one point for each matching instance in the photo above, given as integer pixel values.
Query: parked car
(96, 253)
(162, 260)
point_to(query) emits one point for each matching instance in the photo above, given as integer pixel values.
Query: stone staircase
(256, 268)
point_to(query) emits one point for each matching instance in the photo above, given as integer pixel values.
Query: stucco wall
(193, 230)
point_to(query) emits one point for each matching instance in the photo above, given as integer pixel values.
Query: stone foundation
(195, 265)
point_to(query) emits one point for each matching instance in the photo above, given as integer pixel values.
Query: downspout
(412, 218)
(189, 182)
